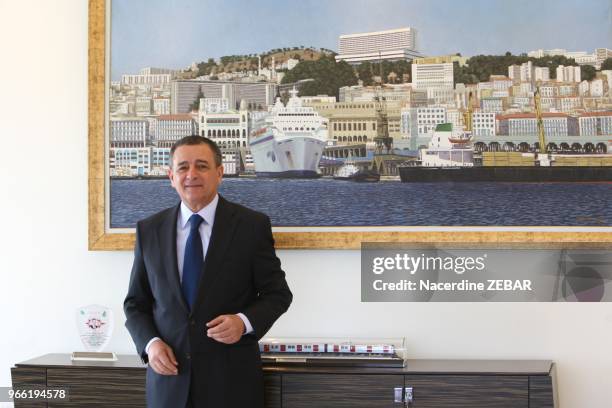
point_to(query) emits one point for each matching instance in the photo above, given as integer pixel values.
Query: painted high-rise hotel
(391, 45)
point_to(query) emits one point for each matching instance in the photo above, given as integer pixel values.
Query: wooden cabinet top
(413, 366)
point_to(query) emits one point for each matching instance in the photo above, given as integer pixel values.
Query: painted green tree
(327, 75)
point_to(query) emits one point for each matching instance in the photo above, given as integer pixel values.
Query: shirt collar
(208, 212)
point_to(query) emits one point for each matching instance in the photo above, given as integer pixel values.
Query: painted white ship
(289, 141)
(347, 170)
(448, 148)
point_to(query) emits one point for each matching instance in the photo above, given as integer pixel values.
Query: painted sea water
(328, 202)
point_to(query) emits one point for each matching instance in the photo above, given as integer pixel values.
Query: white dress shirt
(205, 229)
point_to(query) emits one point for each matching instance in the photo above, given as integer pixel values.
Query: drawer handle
(399, 394)
(408, 396)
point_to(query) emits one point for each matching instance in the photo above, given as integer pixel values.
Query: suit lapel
(221, 236)
(166, 235)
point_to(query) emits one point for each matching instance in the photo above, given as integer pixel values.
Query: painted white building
(483, 123)
(568, 74)
(527, 71)
(520, 102)
(500, 94)
(462, 95)
(569, 103)
(133, 162)
(525, 124)
(130, 161)
(597, 87)
(495, 105)
(581, 57)
(160, 160)
(595, 123)
(310, 100)
(432, 76)
(454, 117)
(123, 107)
(269, 74)
(408, 124)
(152, 80)
(185, 92)
(514, 73)
(170, 128)
(548, 104)
(144, 106)
(228, 128)
(545, 53)
(587, 59)
(391, 92)
(521, 73)
(484, 85)
(133, 133)
(501, 82)
(602, 54)
(440, 96)
(158, 71)
(500, 86)
(214, 105)
(567, 90)
(526, 89)
(549, 91)
(427, 118)
(418, 122)
(161, 106)
(608, 77)
(542, 74)
(391, 45)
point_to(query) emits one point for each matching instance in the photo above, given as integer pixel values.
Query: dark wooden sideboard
(421, 384)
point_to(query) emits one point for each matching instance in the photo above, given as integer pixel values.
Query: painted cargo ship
(289, 141)
(449, 156)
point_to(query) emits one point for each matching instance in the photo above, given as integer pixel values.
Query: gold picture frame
(316, 237)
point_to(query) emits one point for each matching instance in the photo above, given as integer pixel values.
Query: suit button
(188, 356)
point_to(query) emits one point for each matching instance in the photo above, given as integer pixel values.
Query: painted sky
(174, 33)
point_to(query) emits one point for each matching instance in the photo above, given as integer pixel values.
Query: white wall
(46, 271)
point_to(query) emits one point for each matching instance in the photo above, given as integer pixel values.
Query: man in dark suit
(205, 286)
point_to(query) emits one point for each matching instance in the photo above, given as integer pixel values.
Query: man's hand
(226, 329)
(161, 358)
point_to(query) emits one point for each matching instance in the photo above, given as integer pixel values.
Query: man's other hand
(226, 329)
(161, 358)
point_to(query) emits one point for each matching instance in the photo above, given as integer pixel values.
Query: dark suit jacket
(241, 274)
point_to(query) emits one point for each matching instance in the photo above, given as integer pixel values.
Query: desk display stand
(92, 356)
(355, 352)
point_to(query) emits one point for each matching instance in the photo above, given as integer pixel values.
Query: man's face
(194, 175)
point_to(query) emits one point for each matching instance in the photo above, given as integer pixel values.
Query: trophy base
(92, 356)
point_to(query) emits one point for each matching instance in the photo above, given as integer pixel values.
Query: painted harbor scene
(402, 114)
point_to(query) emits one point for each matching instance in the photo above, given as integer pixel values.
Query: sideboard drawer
(339, 390)
(114, 387)
(468, 391)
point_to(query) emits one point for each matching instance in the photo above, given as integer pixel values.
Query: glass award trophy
(95, 326)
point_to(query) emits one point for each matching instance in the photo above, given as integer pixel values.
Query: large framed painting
(376, 121)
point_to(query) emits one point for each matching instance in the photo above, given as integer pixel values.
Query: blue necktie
(194, 261)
